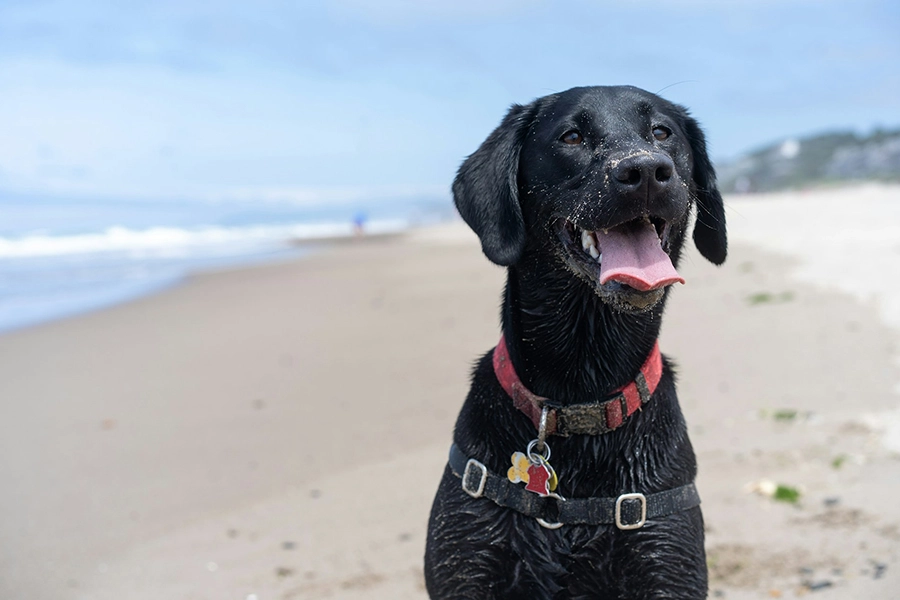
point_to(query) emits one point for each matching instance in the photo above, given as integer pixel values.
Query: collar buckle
(590, 418)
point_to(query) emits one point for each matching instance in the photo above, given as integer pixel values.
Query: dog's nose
(643, 174)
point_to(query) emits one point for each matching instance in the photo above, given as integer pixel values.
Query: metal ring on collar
(542, 458)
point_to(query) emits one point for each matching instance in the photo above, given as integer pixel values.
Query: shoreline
(79, 302)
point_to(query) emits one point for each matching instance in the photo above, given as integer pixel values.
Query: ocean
(62, 257)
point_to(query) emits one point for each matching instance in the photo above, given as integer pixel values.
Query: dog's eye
(661, 133)
(571, 137)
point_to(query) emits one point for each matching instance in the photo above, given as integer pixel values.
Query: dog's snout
(643, 173)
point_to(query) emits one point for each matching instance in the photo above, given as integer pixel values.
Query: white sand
(846, 239)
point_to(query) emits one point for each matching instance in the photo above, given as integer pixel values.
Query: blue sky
(318, 101)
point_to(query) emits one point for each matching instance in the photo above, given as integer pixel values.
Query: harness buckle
(471, 467)
(628, 526)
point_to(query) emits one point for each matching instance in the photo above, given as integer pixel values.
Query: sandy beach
(278, 432)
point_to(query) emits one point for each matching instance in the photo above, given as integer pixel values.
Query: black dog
(585, 196)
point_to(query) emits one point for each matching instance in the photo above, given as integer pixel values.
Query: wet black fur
(571, 343)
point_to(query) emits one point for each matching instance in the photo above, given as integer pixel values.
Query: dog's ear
(709, 230)
(486, 189)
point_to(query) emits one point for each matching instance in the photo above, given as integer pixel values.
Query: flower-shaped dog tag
(519, 469)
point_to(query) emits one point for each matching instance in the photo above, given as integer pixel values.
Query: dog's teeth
(599, 257)
(587, 240)
(594, 252)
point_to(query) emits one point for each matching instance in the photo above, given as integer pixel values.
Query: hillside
(822, 159)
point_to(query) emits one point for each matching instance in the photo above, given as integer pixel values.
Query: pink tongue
(633, 256)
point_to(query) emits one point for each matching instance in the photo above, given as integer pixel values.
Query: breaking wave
(175, 241)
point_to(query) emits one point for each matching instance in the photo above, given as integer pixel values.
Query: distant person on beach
(359, 222)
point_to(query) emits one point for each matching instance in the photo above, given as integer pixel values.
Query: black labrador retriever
(586, 197)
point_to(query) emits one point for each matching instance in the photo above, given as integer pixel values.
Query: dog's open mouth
(632, 254)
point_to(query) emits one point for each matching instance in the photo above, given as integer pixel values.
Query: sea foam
(175, 241)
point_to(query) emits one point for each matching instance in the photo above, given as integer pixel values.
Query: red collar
(592, 418)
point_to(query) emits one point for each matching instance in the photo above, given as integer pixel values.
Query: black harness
(628, 511)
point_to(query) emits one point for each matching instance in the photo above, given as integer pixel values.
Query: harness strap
(628, 511)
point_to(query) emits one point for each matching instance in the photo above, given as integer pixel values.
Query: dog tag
(519, 469)
(554, 480)
(534, 470)
(538, 480)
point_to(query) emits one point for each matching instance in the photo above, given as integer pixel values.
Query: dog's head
(604, 178)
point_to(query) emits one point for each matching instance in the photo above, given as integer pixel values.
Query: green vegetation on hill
(813, 161)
